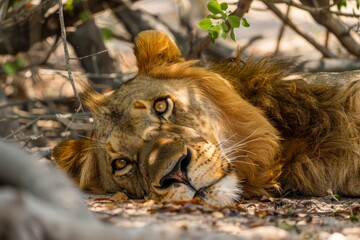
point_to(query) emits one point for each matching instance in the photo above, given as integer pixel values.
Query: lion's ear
(77, 160)
(154, 48)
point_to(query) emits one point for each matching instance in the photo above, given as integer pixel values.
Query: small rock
(337, 236)
(217, 214)
(268, 233)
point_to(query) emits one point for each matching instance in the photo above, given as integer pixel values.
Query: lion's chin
(223, 193)
(226, 191)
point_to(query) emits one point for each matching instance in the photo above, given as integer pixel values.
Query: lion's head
(175, 132)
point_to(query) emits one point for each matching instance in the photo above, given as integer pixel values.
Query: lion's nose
(179, 173)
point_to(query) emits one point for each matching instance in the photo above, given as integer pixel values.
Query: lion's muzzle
(166, 161)
(179, 173)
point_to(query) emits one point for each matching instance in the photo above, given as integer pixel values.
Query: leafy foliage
(13, 66)
(107, 34)
(221, 21)
(85, 15)
(343, 3)
(13, 3)
(353, 218)
(340, 4)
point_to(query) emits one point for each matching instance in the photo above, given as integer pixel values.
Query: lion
(221, 132)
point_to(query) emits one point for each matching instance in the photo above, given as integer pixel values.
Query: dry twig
(66, 52)
(308, 38)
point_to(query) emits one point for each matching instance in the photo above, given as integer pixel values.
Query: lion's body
(234, 129)
(318, 124)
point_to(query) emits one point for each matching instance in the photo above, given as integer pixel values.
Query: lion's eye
(160, 106)
(121, 166)
(163, 106)
(119, 163)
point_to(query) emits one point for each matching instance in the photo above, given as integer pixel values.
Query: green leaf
(357, 4)
(234, 21)
(205, 24)
(85, 15)
(13, 66)
(8, 68)
(218, 28)
(214, 33)
(107, 34)
(232, 35)
(213, 16)
(213, 36)
(340, 4)
(224, 6)
(214, 7)
(223, 34)
(244, 22)
(224, 27)
(284, 225)
(20, 62)
(13, 3)
(354, 218)
(69, 6)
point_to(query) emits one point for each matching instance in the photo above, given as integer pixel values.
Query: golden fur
(243, 130)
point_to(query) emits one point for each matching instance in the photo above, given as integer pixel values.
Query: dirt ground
(281, 218)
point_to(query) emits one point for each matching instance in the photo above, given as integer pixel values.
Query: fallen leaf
(261, 213)
(119, 197)
(149, 203)
(110, 205)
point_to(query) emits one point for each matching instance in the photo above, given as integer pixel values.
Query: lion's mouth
(199, 172)
(225, 191)
(179, 174)
(200, 193)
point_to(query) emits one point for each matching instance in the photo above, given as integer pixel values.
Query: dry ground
(281, 218)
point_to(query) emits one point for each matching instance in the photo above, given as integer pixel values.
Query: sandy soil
(282, 218)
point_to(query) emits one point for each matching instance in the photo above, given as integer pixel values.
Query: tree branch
(336, 27)
(308, 38)
(67, 57)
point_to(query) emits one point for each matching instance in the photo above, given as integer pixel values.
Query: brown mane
(311, 118)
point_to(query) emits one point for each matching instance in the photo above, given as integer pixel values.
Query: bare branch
(90, 55)
(23, 127)
(282, 29)
(243, 7)
(308, 38)
(66, 52)
(336, 27)
(316, 9)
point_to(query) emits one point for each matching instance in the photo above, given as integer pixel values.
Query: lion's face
(174, 133)
(163, 144)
